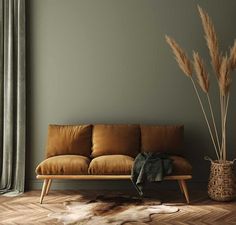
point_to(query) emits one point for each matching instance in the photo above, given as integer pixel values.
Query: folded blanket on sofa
(150, 167)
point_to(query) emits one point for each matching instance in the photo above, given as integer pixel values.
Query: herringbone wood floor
(25, 210)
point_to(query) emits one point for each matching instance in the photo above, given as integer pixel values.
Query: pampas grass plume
(201, 73)
(225, 79)
(232, 57)
(211, 39)
(180, 56)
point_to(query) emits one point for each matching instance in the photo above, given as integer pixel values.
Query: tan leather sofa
(108, 152)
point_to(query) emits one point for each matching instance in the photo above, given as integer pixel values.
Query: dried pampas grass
(201, 73)
(222, 66)
(232, 57)
(180, 56)
(225, 79)
(211, 40)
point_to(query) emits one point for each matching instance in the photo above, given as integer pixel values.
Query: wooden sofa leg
(185, 190)
(180, 186)
(48, 186)
(45, 184)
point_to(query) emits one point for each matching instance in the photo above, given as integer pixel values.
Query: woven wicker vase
(221, 186)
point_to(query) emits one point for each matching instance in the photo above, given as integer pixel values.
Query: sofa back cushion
(69, 140)
(116, 140)
(156, 138)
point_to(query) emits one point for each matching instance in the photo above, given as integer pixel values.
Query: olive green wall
(106, 61)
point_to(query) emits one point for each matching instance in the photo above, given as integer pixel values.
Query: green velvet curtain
(12, 96)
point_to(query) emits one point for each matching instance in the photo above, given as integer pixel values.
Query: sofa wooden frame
(48, 181)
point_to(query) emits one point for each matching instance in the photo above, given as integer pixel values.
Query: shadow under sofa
(107, 152)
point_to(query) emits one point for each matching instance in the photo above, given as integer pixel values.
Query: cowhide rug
(111, 210)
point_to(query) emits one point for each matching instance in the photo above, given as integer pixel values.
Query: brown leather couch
(108, 152)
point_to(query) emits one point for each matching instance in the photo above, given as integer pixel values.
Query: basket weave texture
(222, 186)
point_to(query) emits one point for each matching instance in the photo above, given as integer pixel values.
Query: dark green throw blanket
(150, 167)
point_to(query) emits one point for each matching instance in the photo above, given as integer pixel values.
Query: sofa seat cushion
(116, 140)
(122, 165)
(64, 165)
(111, 165)
(181, 166)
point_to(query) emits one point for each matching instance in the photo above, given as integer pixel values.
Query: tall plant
(222, 65)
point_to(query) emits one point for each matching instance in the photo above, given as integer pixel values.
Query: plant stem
(223, 130)
(226, 103)
(226, 108)
(205, 116)
(213, 121)
(222, 125)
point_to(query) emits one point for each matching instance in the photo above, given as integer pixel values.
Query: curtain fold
(12, 95)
